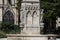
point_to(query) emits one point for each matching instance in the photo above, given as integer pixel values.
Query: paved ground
(3, 38)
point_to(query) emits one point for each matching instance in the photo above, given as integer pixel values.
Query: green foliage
(9, 28)
(2, 34)
(50, 13)
(49, 7)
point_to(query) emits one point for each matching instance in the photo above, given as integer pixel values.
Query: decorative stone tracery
(34, 7)
(8, 17)
(31, 18)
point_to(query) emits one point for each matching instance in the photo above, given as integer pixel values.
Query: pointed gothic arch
(34, 14)
(8, 17)
(28, 13)
(35, 18)
(29, 18)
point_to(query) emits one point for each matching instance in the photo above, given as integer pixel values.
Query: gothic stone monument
(31, 19)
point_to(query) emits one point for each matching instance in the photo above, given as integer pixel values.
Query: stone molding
(36, 35)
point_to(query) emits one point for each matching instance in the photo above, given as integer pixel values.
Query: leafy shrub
(2, 34)
(10, 28)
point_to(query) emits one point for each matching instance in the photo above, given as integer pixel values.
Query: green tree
(58, 15)
(50, 13)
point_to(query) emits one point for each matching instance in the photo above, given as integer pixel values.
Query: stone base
(28, 37)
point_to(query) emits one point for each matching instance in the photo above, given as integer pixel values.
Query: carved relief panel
(31, 18)
(32, 15)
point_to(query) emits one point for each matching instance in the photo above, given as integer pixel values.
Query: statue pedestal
(28, 37)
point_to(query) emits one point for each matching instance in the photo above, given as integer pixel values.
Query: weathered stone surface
(31, 19)
(29, 37)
